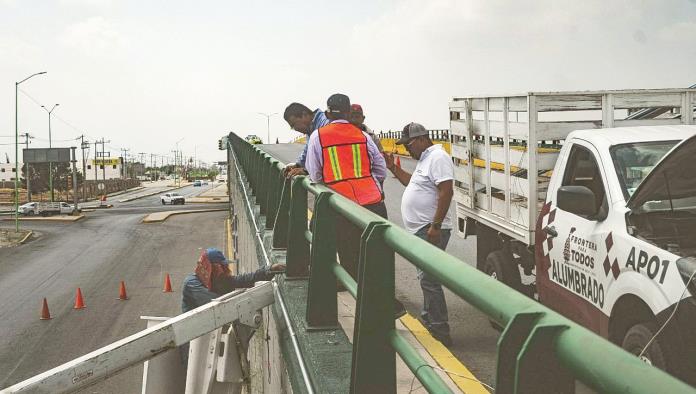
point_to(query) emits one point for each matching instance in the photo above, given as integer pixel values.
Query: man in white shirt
(425, 212)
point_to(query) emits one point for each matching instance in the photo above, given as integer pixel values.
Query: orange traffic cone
(398, 161)
(79, 302)
(122, 292)
(167, 285)
(45, 314)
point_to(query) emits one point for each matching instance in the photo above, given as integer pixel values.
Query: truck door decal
(652, 264)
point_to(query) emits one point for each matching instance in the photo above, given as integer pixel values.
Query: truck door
(569, 279)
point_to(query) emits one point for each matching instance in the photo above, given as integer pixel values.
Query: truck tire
(30, 213)
(638, 336)
(163, 203)
(501, 267)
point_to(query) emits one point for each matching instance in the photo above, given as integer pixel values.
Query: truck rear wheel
(500, 266)
(638, 336)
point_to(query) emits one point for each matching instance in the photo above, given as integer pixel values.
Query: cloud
(679, 32)
(90, 3)
(94, 35)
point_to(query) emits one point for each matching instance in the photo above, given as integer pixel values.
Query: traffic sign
(100, 186)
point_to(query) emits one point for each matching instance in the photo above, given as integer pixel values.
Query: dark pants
(434, 312)
(348, 239)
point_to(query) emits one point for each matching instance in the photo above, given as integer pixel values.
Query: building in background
(106, 168)
(7, 172)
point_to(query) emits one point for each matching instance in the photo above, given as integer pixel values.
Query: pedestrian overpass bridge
(296, 337)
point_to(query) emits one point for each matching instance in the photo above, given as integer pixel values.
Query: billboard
(107, 161)
(45, 155)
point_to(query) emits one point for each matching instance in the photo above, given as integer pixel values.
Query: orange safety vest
(346, 167)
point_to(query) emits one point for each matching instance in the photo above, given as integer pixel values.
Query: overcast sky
(144, 74)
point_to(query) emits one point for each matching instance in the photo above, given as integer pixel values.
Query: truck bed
(496, 174)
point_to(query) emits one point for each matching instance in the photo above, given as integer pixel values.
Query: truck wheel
(163, 202)
(638, 336)
(30, 213)
(500, 267)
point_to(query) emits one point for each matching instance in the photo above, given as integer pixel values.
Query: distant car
(204, 183)
(253, 139)
(196, 183)
(172, 198)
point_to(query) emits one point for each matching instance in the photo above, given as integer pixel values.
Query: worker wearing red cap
(357, 119)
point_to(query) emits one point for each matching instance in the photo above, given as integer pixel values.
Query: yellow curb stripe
(26, 237)
(444, 357)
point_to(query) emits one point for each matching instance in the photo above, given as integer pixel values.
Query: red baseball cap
(356, 108)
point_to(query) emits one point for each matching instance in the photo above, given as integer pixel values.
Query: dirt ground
(8, 237)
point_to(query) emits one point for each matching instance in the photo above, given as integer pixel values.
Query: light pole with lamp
(50, 145)
(268, 125)
(17, 148)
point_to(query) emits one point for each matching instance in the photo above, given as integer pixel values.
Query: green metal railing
(539, 350)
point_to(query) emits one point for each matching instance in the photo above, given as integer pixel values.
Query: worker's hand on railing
(295, 171)
(277, 268)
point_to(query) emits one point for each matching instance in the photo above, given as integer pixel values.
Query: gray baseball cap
(411, 130)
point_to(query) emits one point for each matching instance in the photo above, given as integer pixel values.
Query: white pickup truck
(46, 208)
(599, 220)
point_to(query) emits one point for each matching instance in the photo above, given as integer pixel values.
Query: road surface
(95, 254)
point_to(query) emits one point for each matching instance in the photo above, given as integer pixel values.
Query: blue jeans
(434, 312)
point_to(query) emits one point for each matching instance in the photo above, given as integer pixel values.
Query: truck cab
(615, 239)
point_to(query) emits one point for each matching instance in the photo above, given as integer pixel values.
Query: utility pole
(28, 177)
(84, 145)
(125, 163)
(96, 149)
(142, 161)
(103, 163)
(50, 165)
(74, 174)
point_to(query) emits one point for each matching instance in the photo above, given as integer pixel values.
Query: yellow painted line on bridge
(459, 373)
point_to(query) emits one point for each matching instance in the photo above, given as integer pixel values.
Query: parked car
(196, 183)
(172, 199)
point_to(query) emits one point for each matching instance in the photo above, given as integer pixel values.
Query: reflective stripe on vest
(346, 166)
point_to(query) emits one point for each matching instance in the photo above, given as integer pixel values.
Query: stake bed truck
(598, 218)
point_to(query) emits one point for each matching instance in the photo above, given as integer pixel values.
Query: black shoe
(399, 313)
(399, 310)
(445, 339)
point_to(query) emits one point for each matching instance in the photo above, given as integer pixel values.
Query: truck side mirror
(578, 200)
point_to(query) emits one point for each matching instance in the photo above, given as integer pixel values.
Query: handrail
(539, 350)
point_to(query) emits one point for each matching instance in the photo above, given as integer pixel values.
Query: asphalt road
(95, 254)
(474, 339)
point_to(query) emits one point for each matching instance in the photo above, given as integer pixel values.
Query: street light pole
(268, 125)
(50, 165)
(17, 148)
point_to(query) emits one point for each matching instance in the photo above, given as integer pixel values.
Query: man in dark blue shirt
(302, 119)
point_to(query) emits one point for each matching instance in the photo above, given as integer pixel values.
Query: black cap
(338, 103)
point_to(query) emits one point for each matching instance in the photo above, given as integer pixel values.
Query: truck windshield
(633, 162)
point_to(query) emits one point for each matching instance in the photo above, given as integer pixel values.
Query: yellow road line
(444, 357)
